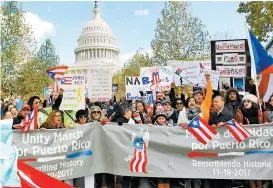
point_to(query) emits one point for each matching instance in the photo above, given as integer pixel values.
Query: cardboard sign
(100, 84)
(230, 59)
(214, 77)
(132, 86)
(186, 73)
(74, 92)
(230, 46)
(156, 78)
(232, 71)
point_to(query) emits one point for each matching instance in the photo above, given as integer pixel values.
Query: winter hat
(160, 114)
(25, 106)
(197, 91)
(251, 97)
(167, 100)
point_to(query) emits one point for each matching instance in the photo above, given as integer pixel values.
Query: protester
(252, 88)
(25, 110)
(268, 113)
(81, 117)
(233, 100)
(188, 113)
(14, 112)
(179, 106)
(222, 114)
(54, 121)
(249, 113)
(8, 115)
(8, 107)
(145, 119)
(96, 114)
(33, 102)
(198, 96)
(169, 111)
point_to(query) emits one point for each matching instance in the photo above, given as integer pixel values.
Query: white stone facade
(96, 45)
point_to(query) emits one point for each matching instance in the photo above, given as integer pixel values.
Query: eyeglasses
(83, 116)
(96, 112)
(246, 101)
(179, 103)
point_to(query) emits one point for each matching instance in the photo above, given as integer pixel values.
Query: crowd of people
(170, 109)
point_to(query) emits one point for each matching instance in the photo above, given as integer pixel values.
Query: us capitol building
(97, 46)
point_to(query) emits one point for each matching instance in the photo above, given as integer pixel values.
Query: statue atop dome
(96, 11)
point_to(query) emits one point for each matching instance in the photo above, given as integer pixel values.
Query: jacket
(224, 116)
(233, 106)
(239, 117)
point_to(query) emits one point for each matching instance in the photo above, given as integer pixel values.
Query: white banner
(230, 46)
(100, 84)
(214, 77)
(186, 72)
(133, 85)
(232, 71)
(74, 92)
(156, 78)
(230, 59)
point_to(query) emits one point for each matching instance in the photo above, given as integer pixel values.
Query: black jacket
(17, 120)
(224, 116)
(252, 89)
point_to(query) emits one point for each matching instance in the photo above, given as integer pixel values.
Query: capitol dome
(97, 44)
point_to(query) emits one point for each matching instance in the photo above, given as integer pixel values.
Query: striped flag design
(57, 73)
(67, 80)
(237, 130)
(31, 120)
(139, 162)
(201, 130)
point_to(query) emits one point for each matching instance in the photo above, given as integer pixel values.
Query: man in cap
(198, 96)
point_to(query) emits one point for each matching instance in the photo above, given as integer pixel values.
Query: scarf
(191, 113)
(250, 116)
(169, 113)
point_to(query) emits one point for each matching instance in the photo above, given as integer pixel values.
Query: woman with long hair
(141, 109)
(96, 114)
(54, 121)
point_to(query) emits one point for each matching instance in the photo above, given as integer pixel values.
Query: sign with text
(74, 92)
(156, 78)
(230, 46)
(132, 85)
(232, 71)
(85, 150)
(100, 84)
(214, 77)
(186, 72)
(230, 59)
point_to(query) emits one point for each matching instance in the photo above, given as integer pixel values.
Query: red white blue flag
(262, 64)
(67, 80)
(57, 73)
(31, 120)
(237, 130)
(139, 161)
(200, 129)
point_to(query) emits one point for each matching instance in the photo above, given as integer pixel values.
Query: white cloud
(40, 28)
(143, 12)
(124, 58)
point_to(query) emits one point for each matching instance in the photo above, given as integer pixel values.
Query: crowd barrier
(146, 151)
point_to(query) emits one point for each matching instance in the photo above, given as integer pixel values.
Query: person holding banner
(189, 112)
(54, 121)
(14, 112)
(268, 113)
(233, 100)
(81, 117)
(25, 110)
(145, 119)
(96, 114)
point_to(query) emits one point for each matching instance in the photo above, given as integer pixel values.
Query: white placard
(133, 85)
(214, 77)
(224, 82)
(186, 73)
(232, 71)
(230, 59)
(74, 92)
(100, 84)
(230, 46)
(156, 78)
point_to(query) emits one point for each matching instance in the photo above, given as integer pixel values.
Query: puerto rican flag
(201, 130)
(139, 162)
(31, 120)
(237, 130)
(67, 80)
(57, 73)
(262, 65)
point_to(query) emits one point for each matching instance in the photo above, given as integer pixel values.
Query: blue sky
(133, 23)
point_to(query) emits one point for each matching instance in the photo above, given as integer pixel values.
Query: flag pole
(253, 65)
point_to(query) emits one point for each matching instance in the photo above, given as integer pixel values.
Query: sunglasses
(96, 112)
(179, 103)
(246, 101)
(83, 116)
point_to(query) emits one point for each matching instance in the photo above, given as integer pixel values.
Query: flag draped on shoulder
(200, 129)
(57, 73)
(30, 122)
(262, 62)
(237, 130)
